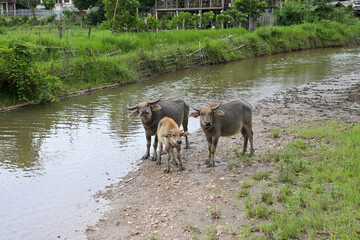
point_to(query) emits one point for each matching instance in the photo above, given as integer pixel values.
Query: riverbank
(132, 57)
(242, 197)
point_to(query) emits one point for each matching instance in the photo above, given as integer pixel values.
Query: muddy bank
(174, 206)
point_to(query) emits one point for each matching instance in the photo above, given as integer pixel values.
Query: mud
(179, 205)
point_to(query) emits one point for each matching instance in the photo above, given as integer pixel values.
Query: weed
(215, 211)
(242, 193)
(261, 175)
(267, 198)
(246, 185)
(274, 132)
(284, 193)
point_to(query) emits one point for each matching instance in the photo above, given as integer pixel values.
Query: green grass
(261, 175)
(323, 200)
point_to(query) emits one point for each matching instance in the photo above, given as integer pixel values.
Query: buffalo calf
(169, 134)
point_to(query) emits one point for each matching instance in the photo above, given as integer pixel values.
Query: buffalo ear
(133, 114)
(155, 107)
(194, 114)
(184, 134)
(219, 113)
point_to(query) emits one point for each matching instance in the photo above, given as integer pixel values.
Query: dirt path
(180, 205)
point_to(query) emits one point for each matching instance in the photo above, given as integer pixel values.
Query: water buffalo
(153, 111)
(169, 134)
(225, 119)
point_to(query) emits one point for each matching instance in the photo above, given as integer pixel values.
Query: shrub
(20, 77)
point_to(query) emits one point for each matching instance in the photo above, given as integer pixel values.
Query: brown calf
(169, 134)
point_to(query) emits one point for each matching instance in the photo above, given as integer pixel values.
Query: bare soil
(182, 204)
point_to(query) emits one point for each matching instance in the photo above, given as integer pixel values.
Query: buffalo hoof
(158, 162)
(174, 163)
(166, 170)
(145, 157)
(210, 165)
(153, 158)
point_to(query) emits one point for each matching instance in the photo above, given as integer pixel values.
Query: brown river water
(55, 157)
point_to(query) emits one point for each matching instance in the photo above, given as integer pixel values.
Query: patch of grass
(267, 198)
(261, 175)
(245, 185)
(242, 193)
(323, 199)
(274, 132)
(215, 211)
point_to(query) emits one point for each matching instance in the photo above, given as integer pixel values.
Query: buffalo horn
(216, 107)
(197, 110)
(131, 108)
(152, 102)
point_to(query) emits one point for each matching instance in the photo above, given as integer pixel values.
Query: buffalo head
(207, 114)
(145, 109)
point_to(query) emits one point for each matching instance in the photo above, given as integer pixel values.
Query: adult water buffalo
(225, 119)
(153, 111)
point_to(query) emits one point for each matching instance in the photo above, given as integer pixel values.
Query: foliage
(230, 17)
(292, 12)
(49, 4)
(20, 77)
(125, 14)
(252, 8)
(152, 22)
(85, 4)
(94, 17)
(51, 17)
(207, 19)
(180, 19)
(69, 15)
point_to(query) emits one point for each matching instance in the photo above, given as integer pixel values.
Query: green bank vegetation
(77, 61)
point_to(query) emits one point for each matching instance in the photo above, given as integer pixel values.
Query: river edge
(148, 202)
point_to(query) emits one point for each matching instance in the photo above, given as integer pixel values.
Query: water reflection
(54, 157)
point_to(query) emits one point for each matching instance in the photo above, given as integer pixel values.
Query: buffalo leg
(158, 162)
(179, 158)
(173, 161)
(209, 140)
(250, 135)
(167, 169)
(213, 150)
(148, 144)
(246, 138)
(185, 126)
(154, 156)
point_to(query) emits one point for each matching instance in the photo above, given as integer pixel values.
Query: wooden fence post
(60, 31)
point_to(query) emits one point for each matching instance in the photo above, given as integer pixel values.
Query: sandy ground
(149, 203)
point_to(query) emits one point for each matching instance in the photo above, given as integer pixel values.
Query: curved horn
(216, 107)
(131, 108)
(198, 110)
(152, 102)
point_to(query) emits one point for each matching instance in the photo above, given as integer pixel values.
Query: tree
(178, 20)
(252, 8)
(207, 19)
(121, 14)
(31, 5)
(85, 4)
(49, 4)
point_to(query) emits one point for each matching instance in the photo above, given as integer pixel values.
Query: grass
(144, 54)
(261, 175)
(323, 199)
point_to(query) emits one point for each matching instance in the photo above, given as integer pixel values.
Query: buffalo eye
(202, 114)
